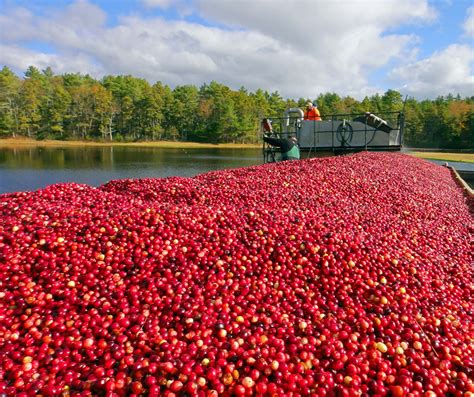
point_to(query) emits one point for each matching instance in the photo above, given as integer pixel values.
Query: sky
(300, 48)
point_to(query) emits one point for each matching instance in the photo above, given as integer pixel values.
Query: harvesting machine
(336, 133)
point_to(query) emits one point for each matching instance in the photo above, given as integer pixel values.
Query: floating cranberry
(349, 275)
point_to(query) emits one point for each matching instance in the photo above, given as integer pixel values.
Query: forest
(72, 106)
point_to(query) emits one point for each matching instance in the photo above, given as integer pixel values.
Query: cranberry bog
(347, 276)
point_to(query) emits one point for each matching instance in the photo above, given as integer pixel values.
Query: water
(27, 169)
(466, 167)
(465, 170)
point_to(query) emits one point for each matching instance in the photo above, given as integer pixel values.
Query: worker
(312, 112)
(289, 147)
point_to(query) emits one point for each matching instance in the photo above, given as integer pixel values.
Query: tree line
(125, 108)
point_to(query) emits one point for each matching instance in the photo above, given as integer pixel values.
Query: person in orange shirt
(312, 112)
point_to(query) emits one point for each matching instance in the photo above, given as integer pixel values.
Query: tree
(247, 123)
(413, 134)
(166, 129)
(261, 106)
(185, 110)
(30, 94)
(48, 72)
(127, 92)
(81, 110)
(222, 123)
(392, 101)
(347, 105)
(54, 108)
(43, 104)
(458, 121)
(327, 103)
(467, 133)
(71, 80)
(276, 104)
(150, 112)
(9, 102)
(33, 73)
(366, 105)
(204, 113)
(432, 123)
(103, 110)
(376, 104)
(227, 121)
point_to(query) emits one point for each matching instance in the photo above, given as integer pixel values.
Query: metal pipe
(292, 110)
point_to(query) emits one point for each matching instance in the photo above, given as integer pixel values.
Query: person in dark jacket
(289, 147)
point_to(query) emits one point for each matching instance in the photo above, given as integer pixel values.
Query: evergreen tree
(9, 102)
(30, 96)
(77, 106)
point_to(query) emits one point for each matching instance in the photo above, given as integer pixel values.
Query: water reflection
(110, 157)
(32, 168)
(25, 169)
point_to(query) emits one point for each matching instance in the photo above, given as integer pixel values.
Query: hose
(345, 132)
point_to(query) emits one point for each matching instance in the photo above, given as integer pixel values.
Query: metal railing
(342, 128)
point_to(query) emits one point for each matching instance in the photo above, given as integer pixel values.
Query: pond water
(468, 167)
(26, 169)
(29, 169)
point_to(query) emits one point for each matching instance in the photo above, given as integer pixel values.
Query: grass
(26, 142)
(462, 157)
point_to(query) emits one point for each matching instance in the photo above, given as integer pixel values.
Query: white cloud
(305, 22)
(83, 16)
(300, 48)
(17, 25)
(468, 25)
(157, 3)
(19, 58)
(446, 71)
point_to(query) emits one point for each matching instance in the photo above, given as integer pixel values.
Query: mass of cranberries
(347, 276)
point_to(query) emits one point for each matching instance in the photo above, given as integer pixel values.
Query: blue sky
(300, 48)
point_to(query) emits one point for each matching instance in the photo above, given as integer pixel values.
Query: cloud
(83, 16)
(19, 58)
(341, 41)
(468, 25)
(446, 71)
(69, 28)
(17, 25)
(300, 48)
(157, 3)
(306, 22)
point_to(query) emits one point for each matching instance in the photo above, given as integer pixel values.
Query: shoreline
(442, 156)
(16, 143)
